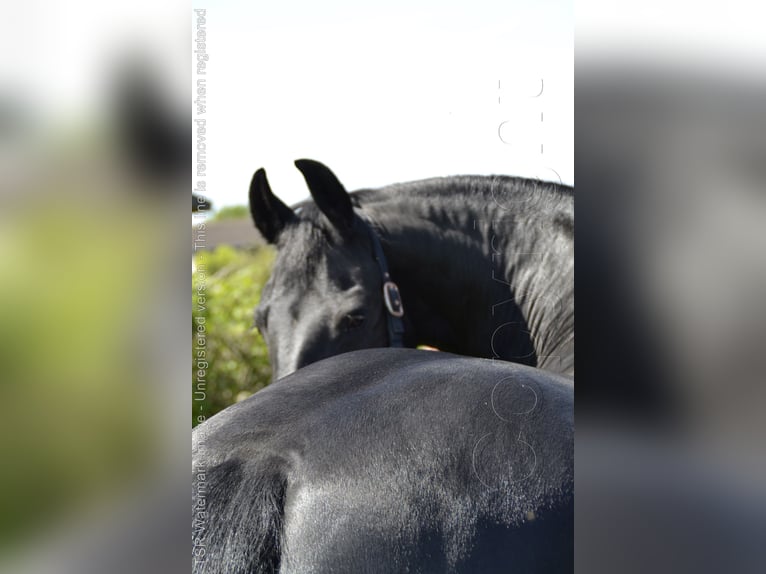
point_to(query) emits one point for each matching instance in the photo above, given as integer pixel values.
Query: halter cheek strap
(391, 296)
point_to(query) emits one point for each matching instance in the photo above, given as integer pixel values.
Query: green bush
(236, 359)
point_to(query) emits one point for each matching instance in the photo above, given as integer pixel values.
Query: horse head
(323, 297)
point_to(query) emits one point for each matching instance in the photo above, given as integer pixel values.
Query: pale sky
(387, 93)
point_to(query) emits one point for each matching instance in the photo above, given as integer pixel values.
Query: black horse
(389, 460)
(484, 267)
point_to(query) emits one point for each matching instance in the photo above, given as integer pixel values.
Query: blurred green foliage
(237, 360)
(231, 212)
(78, 407)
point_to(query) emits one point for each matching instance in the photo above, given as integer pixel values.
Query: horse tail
(238, 517)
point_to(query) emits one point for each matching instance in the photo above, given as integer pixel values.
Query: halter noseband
(391, 297)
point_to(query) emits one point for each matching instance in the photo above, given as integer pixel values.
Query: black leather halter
(391, 296)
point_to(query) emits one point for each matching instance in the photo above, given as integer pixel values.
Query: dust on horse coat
(484, 265)
(390, 460)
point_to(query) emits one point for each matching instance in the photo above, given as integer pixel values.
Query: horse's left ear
(270, 215)
(329, 194)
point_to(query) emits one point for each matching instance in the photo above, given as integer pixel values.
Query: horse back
(392, 460)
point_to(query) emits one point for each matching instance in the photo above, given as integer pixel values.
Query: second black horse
(484, 267)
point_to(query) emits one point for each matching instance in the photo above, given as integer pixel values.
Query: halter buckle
(393, 299)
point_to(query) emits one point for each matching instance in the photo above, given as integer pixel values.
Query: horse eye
(352, 321)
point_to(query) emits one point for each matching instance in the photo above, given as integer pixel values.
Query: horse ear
(329, 194)
(270, 215)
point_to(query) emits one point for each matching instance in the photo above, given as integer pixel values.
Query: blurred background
(94, 158)
(670, 289)
(94, 238)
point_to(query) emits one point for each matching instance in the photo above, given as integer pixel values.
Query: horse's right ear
(270, 215)
(330, 196)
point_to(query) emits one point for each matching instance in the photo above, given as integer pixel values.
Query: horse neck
(479, 282)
